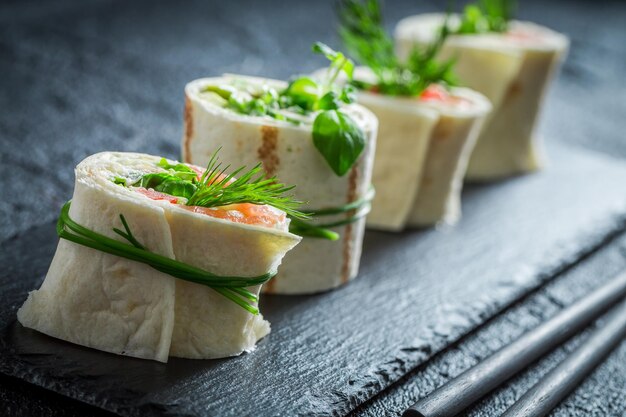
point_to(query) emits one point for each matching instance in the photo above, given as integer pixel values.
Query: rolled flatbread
(287, 151)
(513, 70)
(421, 155)
(110, 303)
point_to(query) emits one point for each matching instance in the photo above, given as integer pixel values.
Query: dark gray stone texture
(80, 77)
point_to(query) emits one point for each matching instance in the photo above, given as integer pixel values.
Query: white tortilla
(513, 75)
(287, 151)
(113, 304)
(421, 156)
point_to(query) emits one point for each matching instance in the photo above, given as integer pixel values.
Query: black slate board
(417, 292)
(80, 77)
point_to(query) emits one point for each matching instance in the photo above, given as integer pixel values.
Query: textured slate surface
(82, 77)
(331, 352)
(602, 394)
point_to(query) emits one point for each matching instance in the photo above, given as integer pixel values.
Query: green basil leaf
(329, 101)
(177, 188)
(303, 92)
(338, 138)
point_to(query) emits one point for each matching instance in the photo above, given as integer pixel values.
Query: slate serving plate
(417, 292)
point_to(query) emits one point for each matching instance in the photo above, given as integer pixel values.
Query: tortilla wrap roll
(122, 306)
(513, 70)
(287, 151)
(421, 154)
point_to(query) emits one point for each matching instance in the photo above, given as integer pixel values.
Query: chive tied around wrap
(141, 271)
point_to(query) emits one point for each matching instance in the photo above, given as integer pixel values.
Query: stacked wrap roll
(513, 70)
(110, 303)
(287, 151)
(421, 155)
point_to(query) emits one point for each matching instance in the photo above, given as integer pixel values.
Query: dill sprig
(361, 29)
(217, 188)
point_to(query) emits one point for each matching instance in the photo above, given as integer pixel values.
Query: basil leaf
(303, 92)
(329, 101)
(337, 137)
(177, 188)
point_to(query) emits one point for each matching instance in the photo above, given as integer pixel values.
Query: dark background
(80, 77)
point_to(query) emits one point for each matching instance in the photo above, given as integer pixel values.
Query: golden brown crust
(188, 114)
(267, 151)
(347, 237)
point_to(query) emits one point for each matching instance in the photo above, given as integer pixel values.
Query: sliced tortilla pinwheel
(140, 272)
(283, 138)
(513, 69)
(422, 152)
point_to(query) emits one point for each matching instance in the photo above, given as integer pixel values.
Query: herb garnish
(363, 34)
(486, 16)
(233, 288)
(216, 188)
(335, 135)
(339, 139)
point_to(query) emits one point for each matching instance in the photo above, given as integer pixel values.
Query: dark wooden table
(80, 77)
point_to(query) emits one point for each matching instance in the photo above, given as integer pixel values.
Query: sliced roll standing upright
(513, 69)
(125, 306)
(428, 128)
(421, 157)
(284, 142)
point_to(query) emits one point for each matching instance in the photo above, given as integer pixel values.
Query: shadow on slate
(417, 292)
